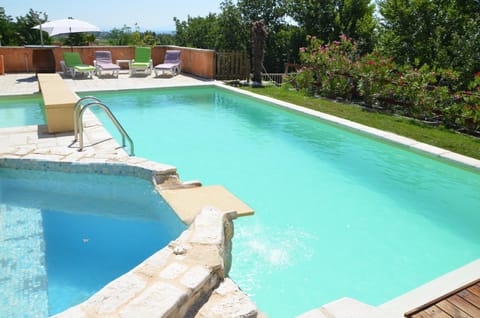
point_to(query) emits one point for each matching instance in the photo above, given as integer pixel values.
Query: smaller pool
(21, 111)
(63, 236)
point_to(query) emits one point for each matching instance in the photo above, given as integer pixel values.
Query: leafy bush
(334, 70)
(464, 113)
(331, 65)
(373, 74)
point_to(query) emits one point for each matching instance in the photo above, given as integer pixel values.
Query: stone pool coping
(412, 144)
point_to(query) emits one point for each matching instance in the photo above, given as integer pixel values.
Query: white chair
(172, 63)
(103, 62)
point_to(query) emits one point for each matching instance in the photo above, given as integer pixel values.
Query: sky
(153, 15)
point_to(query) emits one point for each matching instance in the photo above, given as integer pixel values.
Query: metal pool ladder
(78, 112)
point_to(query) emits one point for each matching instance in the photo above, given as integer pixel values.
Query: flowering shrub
(465, 109)
(415, 89)
(334, 70)
(373, 74)
(331, 66)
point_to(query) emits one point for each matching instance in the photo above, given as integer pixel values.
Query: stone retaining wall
(178, 280)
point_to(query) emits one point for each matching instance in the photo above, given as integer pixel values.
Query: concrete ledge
(345, 308)
(187, 203)
(431, 291)
(59, 102)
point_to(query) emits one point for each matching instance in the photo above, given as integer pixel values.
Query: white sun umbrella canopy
(65, 26)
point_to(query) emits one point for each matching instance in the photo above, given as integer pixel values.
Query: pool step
(23, 275)
(345, 308)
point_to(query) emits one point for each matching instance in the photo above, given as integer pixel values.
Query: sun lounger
(72, 63)
(103, 62)
(142, 60)
(172, 63)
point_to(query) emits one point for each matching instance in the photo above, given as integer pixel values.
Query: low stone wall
(187, 278)
(176, 281)
(198, 62)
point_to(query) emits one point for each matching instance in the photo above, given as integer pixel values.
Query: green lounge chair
(72, 63)
(142, 60)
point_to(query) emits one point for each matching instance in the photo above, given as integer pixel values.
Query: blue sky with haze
(155, 15)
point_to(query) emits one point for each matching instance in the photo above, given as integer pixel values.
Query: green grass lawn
(436, 136)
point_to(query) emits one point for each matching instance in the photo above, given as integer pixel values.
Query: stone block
(159, 300)
(195, 278)
(173, 271)
(116, 294)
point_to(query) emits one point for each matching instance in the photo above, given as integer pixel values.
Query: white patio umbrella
(63, 26)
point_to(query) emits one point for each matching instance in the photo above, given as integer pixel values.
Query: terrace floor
(26, 83)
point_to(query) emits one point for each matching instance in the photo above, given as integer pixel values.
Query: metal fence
(276, 78)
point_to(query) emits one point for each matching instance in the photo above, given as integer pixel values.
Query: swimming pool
(337, 213)
(21, 111)
(66, 235)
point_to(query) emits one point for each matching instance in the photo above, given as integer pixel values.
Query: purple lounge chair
(172, 63)
(103, 62)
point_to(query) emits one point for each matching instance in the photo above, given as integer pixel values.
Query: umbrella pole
(70, 36)
(41, 35)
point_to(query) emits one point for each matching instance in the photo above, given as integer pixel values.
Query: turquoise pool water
(21, 111)
(337, 214)
(64, 236)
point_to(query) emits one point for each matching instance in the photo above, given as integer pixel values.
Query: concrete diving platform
(59, 101)
(189, 202)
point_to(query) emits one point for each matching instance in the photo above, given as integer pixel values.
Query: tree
(76, 39)
(406, 28)
(317, 18)
(356, 20)
(165, 39)
(328, 19)
(7, 29)
(23, 28)
(458, 38)
(442, 34)
(199, 32)
(272, 12)
(120, 36)
(232, 31)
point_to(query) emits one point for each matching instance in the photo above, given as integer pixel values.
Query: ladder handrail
(78, 104)
(78, 121)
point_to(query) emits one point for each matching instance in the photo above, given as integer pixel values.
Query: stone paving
(26, 83)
